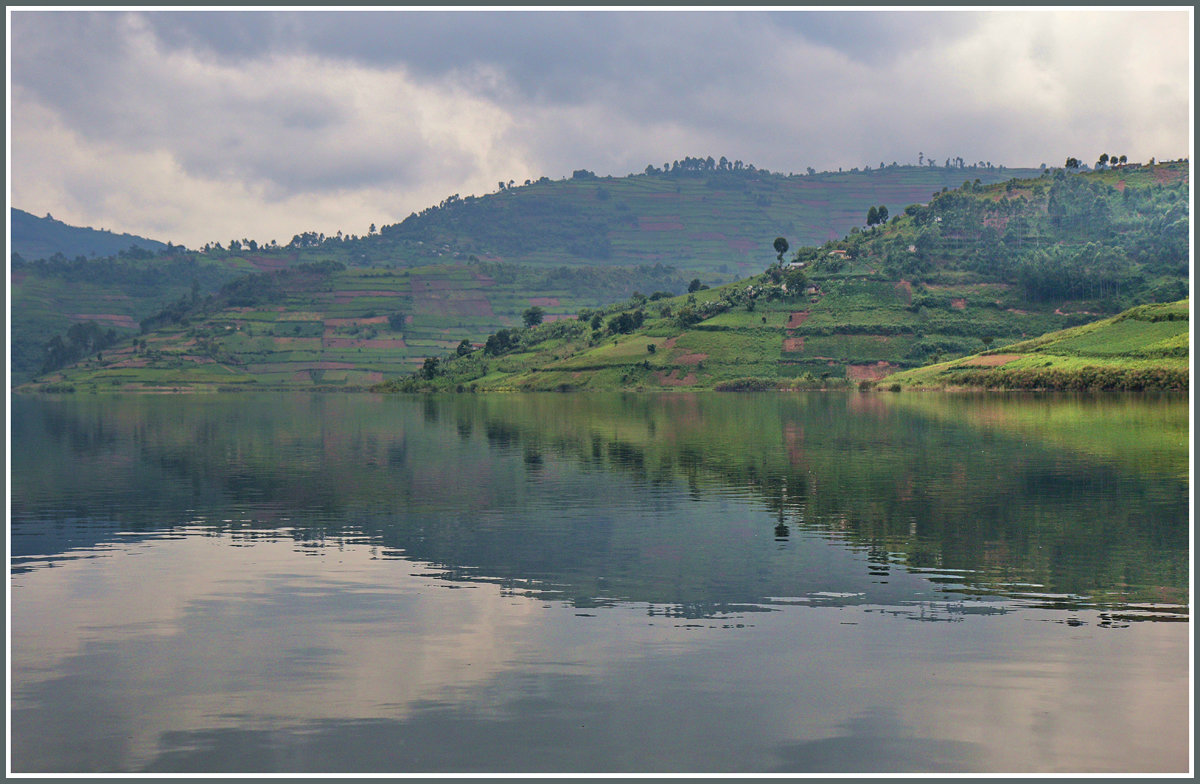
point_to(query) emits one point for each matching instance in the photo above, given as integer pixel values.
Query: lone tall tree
(533, 316)
(781, 247)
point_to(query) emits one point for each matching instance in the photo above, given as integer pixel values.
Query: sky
(210, 125)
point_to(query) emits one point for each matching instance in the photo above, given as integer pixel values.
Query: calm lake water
(567, 583)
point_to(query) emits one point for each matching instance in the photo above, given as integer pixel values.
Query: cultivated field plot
(348, 329)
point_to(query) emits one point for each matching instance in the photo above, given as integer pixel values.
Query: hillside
(38, 238)
(715, 224)
(975, 267)
(323, 325)
(710, 221)
(1146, 347)
(941, 281)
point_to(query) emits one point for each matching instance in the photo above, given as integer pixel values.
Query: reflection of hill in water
(703, 503)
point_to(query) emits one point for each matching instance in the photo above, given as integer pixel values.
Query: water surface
(622, 583)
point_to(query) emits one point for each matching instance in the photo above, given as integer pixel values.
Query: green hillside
(704, 217)
(942, 281)
(1146, 347)
(323, 325)
(715, 223)
(975, 268)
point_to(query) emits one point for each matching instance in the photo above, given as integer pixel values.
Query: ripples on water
(708, 584)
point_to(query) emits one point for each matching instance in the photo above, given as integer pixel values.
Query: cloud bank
(199, 126)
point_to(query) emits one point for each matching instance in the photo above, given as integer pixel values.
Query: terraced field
(350, 330)
(1143, 348)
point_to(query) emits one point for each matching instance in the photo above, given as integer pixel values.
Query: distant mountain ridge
(40, 238)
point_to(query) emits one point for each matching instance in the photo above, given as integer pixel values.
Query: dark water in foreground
(564, 583)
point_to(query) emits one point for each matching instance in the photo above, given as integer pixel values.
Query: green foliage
(533, 316)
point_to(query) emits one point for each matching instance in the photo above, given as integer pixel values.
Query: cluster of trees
(1063, 236)
(251, 290)
(877, 215)
(690, 165)
(81, 340)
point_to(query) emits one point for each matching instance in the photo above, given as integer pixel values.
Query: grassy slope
(716, 233)
(860, 324)
(1146, 347)
(323, 331)
(716, 225)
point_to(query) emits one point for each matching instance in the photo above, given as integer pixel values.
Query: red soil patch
(708, 235)
(662, 226)
(1163, 176)
(743, 245)
(267, 263)
(296, 342)
(691, 359)
(793, 344)
(958, 304)
(998, 222)
(905, 289)
(1121, 186)
(669, 379)
(113, 319)
(868, 372)
(990, 360)
(544, 302)
(797, 319)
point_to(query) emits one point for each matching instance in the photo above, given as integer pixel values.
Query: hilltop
(713, 223)
(36, 238)
(975, 266)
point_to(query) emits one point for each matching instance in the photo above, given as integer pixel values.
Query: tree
(430, 368)
(883, 214)
(694, 286)
(464, 348)
(781, 247)
(872, 216)
(1103, 160)
(533, 316)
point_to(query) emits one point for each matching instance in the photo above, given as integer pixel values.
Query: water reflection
(542, 583)
(565, 489)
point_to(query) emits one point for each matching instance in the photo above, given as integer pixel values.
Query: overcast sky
(203, 125)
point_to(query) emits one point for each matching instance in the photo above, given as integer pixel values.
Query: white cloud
(209, 126)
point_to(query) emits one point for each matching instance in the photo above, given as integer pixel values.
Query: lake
(819, 582)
